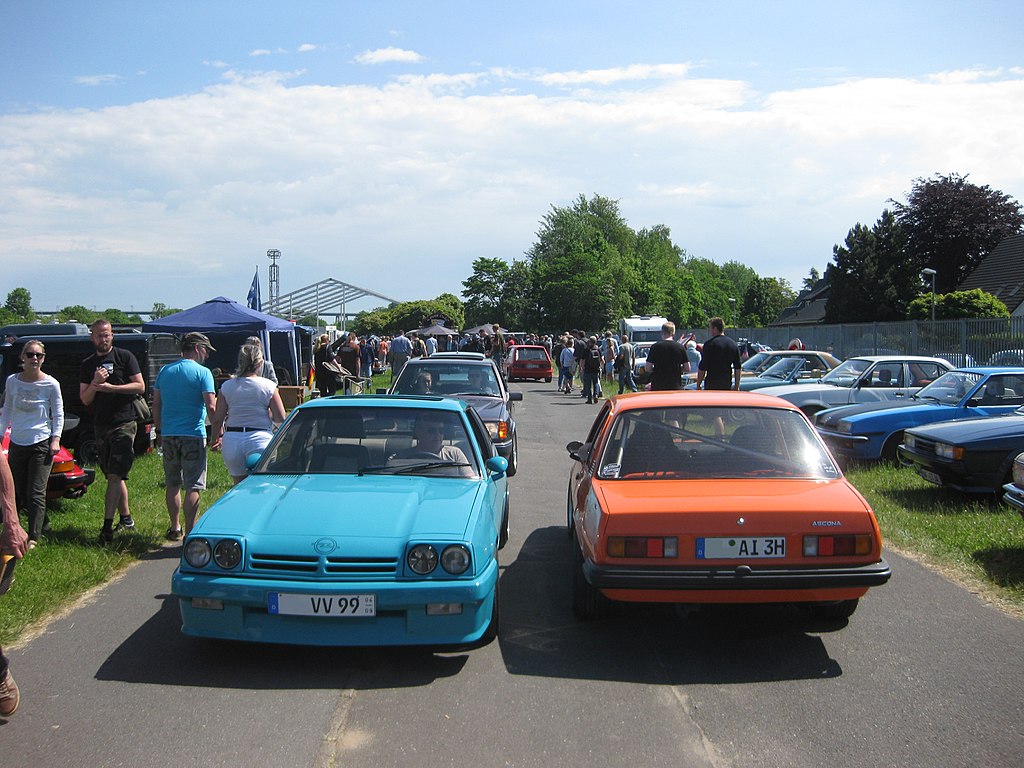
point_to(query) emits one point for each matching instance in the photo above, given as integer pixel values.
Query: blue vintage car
(368, 520)
(874, 430)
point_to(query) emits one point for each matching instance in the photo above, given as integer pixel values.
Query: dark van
(64, 356)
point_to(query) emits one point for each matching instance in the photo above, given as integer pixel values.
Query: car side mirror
(252, 460)
(497, 466)
(515, 396)
(578, 451)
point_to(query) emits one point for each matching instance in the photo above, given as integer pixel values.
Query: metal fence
(988, 341)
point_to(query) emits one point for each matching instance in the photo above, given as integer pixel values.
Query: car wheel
(841, 610)
(570, 524)
(503, 535)
(889, 449)
(587, 601)
(547, 380)
(86, 451)
(513, 459)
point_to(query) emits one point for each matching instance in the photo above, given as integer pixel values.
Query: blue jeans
(626, 380)
(590, 384)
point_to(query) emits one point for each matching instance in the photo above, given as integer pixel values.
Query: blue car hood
(276, 508)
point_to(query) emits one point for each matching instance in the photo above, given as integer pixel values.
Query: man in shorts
(109, 380)
(183, 397)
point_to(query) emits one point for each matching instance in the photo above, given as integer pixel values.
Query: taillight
(838, 546)
(643, 546)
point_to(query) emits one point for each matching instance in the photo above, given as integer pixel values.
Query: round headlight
(197, 553)
(227, 553)
(422, 559)
(455, 559)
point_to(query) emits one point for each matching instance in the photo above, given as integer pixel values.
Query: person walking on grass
(13, 543)
(109, 380)
(183, 398)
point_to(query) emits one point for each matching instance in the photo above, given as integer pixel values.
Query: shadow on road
(647, 643)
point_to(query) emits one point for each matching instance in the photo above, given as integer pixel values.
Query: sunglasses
(35, 355)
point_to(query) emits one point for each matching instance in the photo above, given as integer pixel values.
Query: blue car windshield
(951, 387)
(362, 440)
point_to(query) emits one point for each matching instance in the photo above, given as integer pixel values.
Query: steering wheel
(421, 454)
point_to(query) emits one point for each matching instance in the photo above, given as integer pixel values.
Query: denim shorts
(185, 462)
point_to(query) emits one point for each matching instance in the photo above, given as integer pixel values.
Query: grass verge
(979, 542)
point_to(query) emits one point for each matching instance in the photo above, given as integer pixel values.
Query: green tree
(162, 310)
(951, 225)
(76, 313)
(812, 279)
(956, 305)
(484, 290)
(764, 301)
(869, 278)
(19, 304)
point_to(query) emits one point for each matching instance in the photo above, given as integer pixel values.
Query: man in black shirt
(667, 361)
(719, 357)
(109, 380)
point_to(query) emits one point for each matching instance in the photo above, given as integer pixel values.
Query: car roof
(453, 356)
(449, 359)
(988, 370)
(898, 359)
(431, 402)
(697, 398)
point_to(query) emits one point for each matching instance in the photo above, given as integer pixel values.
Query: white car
(640, 350)
(864, 380)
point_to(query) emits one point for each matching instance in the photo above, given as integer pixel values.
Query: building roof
(1001, 273)
(809, 307)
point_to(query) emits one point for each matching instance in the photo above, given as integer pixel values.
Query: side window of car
(480, 434)
(595, 434)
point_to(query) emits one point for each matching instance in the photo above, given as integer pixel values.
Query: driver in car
(480, 383)
(429, 433)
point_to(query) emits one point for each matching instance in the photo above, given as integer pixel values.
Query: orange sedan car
(715, 497)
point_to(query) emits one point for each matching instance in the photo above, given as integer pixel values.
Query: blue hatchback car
(368, 520)
(874, 430)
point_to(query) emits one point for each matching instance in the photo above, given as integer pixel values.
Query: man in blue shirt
(183, 398)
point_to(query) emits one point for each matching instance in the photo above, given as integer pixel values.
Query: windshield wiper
(429, 465)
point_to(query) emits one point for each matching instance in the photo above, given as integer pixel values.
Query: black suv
(64, 356)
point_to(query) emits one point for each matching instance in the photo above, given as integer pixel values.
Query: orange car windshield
(713, 443)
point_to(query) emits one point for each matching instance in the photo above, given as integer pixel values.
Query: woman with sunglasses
(34, 412)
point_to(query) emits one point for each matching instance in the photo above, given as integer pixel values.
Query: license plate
(330, 606)
(931, 477)
(734, 547)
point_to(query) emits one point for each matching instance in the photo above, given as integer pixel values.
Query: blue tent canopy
(223, 317)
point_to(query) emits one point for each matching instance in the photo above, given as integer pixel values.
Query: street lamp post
(732, 304)
(925, 273)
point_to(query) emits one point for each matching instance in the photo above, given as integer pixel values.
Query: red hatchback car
(525, 361)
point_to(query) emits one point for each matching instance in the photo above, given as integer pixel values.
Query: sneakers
(106, 535)
(173, 534)
(126, 522)
(10, 696)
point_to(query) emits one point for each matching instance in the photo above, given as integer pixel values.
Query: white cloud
(94, 80)
(307, 47)
(389, 55)
(399, 187)
(261, 52)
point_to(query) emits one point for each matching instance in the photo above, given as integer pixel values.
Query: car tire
(547, 380)
(570, 524)
(503, 534)
(835, 611)
(513, 458)
(86, 452)
(587, 601)
(889, 449)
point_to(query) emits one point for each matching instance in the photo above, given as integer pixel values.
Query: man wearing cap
(183, 398)
(109, 381)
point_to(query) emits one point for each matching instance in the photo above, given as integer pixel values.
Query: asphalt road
(924, 674)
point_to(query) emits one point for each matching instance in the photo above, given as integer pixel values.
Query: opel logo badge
(325, 546)
(741, 521)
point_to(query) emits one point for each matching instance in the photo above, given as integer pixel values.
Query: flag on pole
(253, 301)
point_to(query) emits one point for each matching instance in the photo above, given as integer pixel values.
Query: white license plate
(735, 547)
(329, 606)
(931, 477)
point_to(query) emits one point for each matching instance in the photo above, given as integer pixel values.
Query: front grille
(311, 565)
(927, 447)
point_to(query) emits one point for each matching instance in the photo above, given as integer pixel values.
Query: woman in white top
(34, 412)
(248, 406)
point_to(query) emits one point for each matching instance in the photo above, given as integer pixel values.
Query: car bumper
(72, 486)
(854, 446)
(736, 578)
(949, 473)
(1012, 497)
(401, 612)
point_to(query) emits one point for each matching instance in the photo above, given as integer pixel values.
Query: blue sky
(153, 152)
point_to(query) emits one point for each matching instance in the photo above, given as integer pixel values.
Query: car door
(582, 473)
(884, 380)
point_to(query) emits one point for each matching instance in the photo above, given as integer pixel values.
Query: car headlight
(455, 559)
(909, 441)
(197, 553)
(422, 559)
(845, 427)
(227, 553)
(1018, 472)
(953, 452)
(498, 430)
